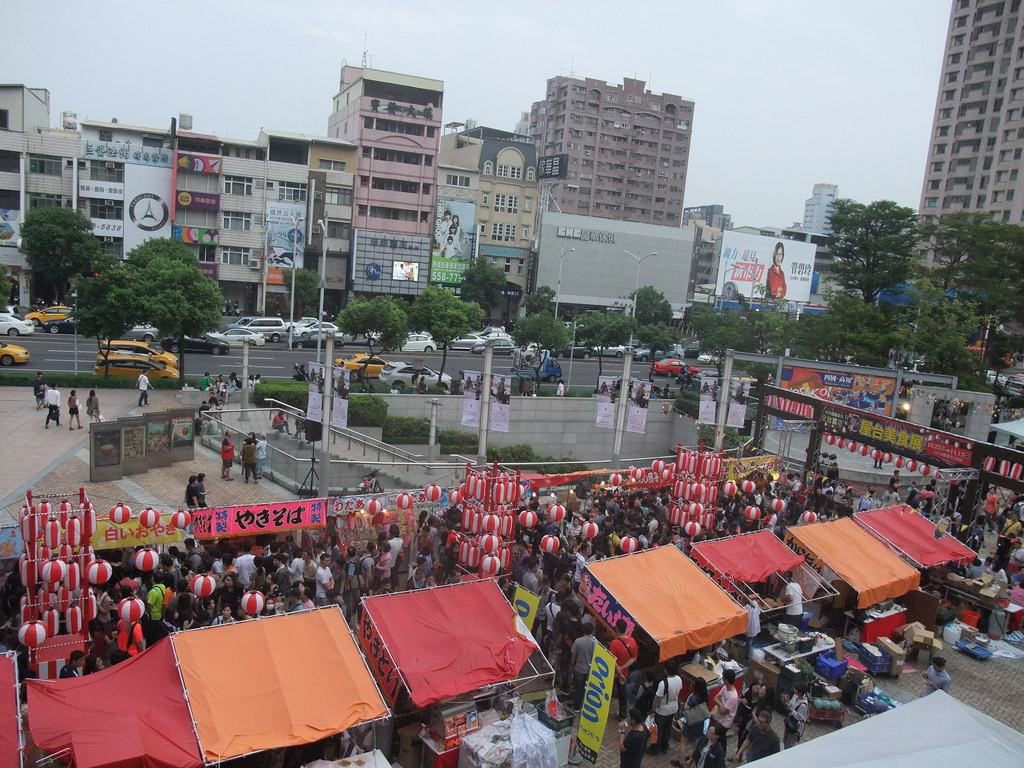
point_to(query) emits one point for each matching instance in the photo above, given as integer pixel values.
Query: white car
(143, 333)
(491, 332)
(399, 375)
(236, 337)
(466, 343)
(419, 342)
(15, 325)
(316, 329)
(304, 323)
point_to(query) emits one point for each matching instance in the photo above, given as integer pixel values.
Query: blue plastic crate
(830, 669)
(876, 665)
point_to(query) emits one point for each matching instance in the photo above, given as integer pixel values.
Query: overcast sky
(788, 92)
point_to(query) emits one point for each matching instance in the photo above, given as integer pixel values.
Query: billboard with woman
(754, 266)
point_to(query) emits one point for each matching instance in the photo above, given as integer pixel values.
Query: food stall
(913, 537)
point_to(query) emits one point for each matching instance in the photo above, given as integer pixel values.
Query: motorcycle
(300, 372)
(370, 483)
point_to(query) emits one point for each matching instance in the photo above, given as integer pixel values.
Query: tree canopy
(483, 283)
(600, 331)
(307, 290)
(382, 320)
(440, 313)
(874, 246)
(59, 245)
(541, 300)
(651, 307)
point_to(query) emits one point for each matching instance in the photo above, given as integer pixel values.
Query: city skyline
(787, 94)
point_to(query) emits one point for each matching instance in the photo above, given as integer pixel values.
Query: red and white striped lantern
(707, 520)
(64, 513)
(911, 466)
(149, 518)
(29, 523)
(729, 489)
(556, 512)
(121, 513)
(253, 602)
(99, 572)
(830, 438)
(52, 571)
(550, 544)
(840, 442)
(491, 524)
(636, 474)
(615, 479)
(147, 559)
(852, 447)
(88, 517)
(748, 486)
(778, 505)
(73, 532)
(73, 619)
(65, 551)
(808, 517)
(887, 457)
(665, 475)
(432, 493)
(45, 509)
(62, 598)
(752, 513)
(455, 497)
(89, 604)
(374, 507)
(204, 585)
(51, 534)
(27, 569)
(898, 462)
(876, 454)
(698, 492)
(629, 544)
(181, 519)
(32, 634)
(695, 510)
(508, 524)
(489, 565)
(679, 489)
(692, 529)
(528, 518)
(131, 609)
(51, 620)
(489, 543)
(676, 514)
(471, 521)
(864, 450)
(464, 547)
(404, 501)
(711, 466)
(926, 470)
(589, 530)
(769, 522)
(657, 465)
(688, 462)
(73, 578)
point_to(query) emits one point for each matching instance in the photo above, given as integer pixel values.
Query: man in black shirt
(762, 740)
(74, 666)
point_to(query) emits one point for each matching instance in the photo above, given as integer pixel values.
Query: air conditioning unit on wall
(255, 264)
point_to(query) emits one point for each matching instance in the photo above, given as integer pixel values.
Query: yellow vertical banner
(597, 699)
(526, 605)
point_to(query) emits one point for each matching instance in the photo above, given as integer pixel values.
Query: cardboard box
(894, 650)
(989, 594)
(832, 692)
(968, 632)
(765, 672)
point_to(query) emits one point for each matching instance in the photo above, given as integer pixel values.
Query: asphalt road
(55, 353)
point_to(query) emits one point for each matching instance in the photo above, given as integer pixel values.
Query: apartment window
(500, 201)
(510, 171)
(1009, 195)
(961, 21)
(237, 256)
(952, 77)
(237, 185)
(513, 203)
(112, 246)
(291, 190)
(931, 202)
(331, 165)
(238, 221)
(997, 197)
(949, 95)
(338, 196)
(106, 209)
(943, 130)
(488, 168)
(485, 198)
(106, 172)
(528, 201)
(44, 200)
(392, 214)
(47, 166)
(531, 174)
(934, 184)
(954, 58)
(208, 254)
(503, 232)
(339, 230)
(958, 39)
(395, 185)
(940, 149)
(10, 162)
(946, 113)
(4, 120)
(106, 135)
(456, 180)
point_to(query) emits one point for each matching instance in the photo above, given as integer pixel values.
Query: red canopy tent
(10, 712)
(444, 641)
(913, 536)
(133, 714)
(748, 557)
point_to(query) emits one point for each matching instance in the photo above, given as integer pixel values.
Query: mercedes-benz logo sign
(149, 212)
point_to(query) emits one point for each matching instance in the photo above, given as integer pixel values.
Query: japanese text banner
(259, 518)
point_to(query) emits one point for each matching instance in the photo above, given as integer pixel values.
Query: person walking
(633, 737)
(52, 400)
(39, 390)
(73, 410)
(142, 384)
(249, 459)
(92, 405)
(936, 678)
(796, 718)
(201, 490)
(261, 454)
(666, 706)
(227, 456)
(761, 741)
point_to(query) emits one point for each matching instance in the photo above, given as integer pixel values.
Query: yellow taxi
(131, 365)
(355, 362)
(11, 354)
(138, 348)
(56, 312)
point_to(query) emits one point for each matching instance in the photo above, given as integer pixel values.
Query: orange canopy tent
(276, 682)
(667, 595)
(862, 561)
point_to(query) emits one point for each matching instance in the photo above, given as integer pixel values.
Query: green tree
(719, 332)
(850, 332)
(541, 300)
(59, 244)
(6, 286)
(483, 283)
(440, 313)
(957, 238)
(177, 297)
(544, 330)
(874, 245)
(658, 337)
(382, 320)
(109, 302)
(600, 331)
(307, 290)
(651, 307)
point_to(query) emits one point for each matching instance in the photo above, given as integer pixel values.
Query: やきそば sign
(260, 518)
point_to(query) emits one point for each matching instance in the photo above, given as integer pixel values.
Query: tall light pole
(558, 286)
(295, 265)
(639, 260)
(323, 281)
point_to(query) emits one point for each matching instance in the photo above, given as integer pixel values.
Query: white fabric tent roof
(1013, 428)
(935, 731)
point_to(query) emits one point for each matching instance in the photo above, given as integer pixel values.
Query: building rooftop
(278, 134)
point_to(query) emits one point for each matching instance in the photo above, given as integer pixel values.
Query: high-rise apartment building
(625, 148)
(977, 134)
(818, 209)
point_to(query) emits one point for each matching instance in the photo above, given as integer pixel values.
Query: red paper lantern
(491, 524)
(489, 565)
(204, 585)
(89, 604)
(898, 462)
(432, 493)
(752, 513)
(528, 518)
(658, 465)
(26, 568)
(51, 620)
(63, 513)
(489, 543)
(688, 462)
(130, 610)
(864, 450)
(615, 479)
(374, 507)
(404, 501)
(911, 466)
(556, 512)
(550, 544)
(852, 447)
(589, 530)
(455, 497)
(73, 532)
(778, 505)
(253, 602)
(52, 571)
(121, 513)
(830, 438)
(676, 515)
(698, 492)
(88, 522)
(707, 520)
(876, 454)
(99, 572)
(840, 442)
(748, 486)
(471, 521)
(629, 544)
(29, 523)
(181, 519)
(665, 475)
(149, 518)
(32, 634)
(636, 474)
(73, 578)
(692, 529)
(147, 559)
(729, 489)
(887, 457)
(926, 470)
(62, 598)
(808, 517)
(507, 525)
(73, 619)
(65, 551)
(45, 509)
(679, 489)
(711, 466)
(51, 534)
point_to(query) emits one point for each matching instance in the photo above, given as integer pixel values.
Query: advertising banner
(472, 384)
(597, 698)
(126, 152)
(133, 534)
(606, 402)
(195, 235)
(315, 400)
(106, 190)
(451, 249)
(639, 397)
(286, 234)
(405, 270)
(198, 201)
(602, 604)
(526, 604)
(739, 396)
(198, 163)
(379, 660)
(708, 400)
(339, 405)
(10, 226)
(501, 397)
(258, 518)
(11, 542)
(372, 266)
(854, 390)
(756, 267)
(107, 227)
(147, 193)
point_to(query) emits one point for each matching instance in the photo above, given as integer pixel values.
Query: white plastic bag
(533, 744)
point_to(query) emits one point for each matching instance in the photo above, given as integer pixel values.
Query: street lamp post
(558, 286)
(295, 265)
(639, 260)
(323, 281)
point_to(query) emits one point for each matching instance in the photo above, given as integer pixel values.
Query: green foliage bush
(688, 402)
(524, 454)
(406, 430)
(456, 441)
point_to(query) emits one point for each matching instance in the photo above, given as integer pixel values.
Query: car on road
(707, 359)
(672, 366)
(130, 366)
(643, 354)
(143, 333)
(419, 342)
(12, 324)
(318, 339)
(356, 361)
(577, 352)
(54, 312)
(301, 323)
(139, 348)
(204, 345)
(62, 325)
(238, 337)
(493, 333)
(400, 375)
(618, 351)
(501, 346)
(317, 329)
(465, 343)
(12, 353)
(273, 328)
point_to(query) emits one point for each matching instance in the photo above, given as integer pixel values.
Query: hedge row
(363, 410)
(86, 381)
(524, 454)
(406, 430)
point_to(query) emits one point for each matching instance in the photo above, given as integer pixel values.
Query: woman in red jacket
(227, 456)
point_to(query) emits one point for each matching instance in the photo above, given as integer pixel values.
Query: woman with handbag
(695, 713)
(796, 719)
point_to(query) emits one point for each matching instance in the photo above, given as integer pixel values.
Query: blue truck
(550, 370)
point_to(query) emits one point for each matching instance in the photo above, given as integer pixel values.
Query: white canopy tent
(937, 731)
(1010, 431)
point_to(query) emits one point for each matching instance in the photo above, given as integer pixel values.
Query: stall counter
(433, 758)
(879, 623)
